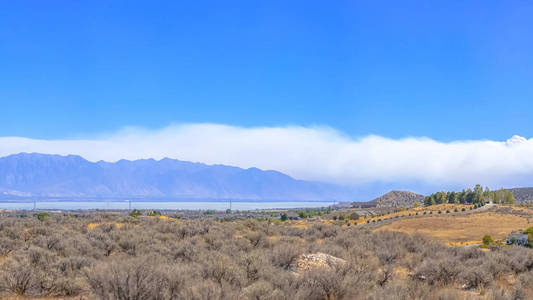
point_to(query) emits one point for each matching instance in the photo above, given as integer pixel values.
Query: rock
(307, 262)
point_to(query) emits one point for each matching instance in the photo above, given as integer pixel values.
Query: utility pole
(129, 205)
(34, 203)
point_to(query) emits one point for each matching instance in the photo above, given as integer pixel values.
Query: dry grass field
(461, 229)
(453, 226)
(442, 207)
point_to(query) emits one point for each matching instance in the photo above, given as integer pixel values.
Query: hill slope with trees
(398, 199)
(523, 195)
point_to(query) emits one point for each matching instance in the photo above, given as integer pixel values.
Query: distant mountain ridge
(53, 176)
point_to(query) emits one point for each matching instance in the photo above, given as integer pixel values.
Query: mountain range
(33, 175)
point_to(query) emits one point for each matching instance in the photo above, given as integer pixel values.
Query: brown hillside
(398, 199)
(523, 195)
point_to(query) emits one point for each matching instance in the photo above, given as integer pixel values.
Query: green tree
(452, 197)
(487, 192)
(478, 189)
(529, 233)
(284, 217)
(42, 216)
(529, 230)
(462, 197)
(478, 194)
(469, 196)
(428, 201)
(440, 198)
(135, 213)
(509, 197)
(498, 196)
(487, 240)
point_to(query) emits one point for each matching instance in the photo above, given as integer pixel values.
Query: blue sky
(451, 70)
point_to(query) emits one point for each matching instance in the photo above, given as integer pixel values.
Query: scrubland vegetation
(122, 257)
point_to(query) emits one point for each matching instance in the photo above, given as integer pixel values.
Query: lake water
(161, 205)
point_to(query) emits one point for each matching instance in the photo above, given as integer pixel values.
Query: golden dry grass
(304, 224)
(120, 225)
(94, 225)
(442, 207)
(461, 229)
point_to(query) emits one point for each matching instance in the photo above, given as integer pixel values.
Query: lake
(161, 205)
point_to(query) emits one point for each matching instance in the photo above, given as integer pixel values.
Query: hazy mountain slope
(398, 199)
(40, 175)
(523, 195)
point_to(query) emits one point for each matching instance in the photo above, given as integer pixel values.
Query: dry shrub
(203, 290)
(399, 290)
(257, 238)
(476, 277)
(321, 231)
(222, 269)
(285, 254)
(441, 271)
(6, 246)
(330, 283)
(449, 294)
(18, 279)
(130, 279)
(261, 290)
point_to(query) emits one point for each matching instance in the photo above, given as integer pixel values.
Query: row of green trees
(313, 212)
(502, 196)
(471, 196)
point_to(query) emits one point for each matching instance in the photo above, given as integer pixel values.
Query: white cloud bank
(311, 153)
